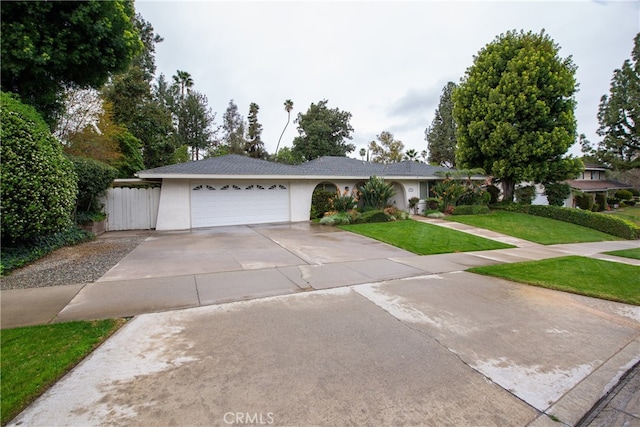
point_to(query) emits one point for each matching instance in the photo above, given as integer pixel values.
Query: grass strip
(626, 253)
(35, 357)
(424, 239)
(585, 276)
(545, 231)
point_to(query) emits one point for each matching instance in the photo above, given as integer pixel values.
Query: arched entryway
(399, 200)
(320, 199)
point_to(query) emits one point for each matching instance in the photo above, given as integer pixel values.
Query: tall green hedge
(38, 183)
(602, 222)
(94, 178)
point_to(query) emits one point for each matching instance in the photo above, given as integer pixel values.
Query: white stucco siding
(301, 192)
(174, 210)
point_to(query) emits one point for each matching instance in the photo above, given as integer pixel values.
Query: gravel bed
(79, 264)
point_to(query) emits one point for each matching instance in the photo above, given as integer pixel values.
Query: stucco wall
(174, 211)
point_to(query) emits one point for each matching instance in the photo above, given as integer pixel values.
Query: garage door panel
(234, 203)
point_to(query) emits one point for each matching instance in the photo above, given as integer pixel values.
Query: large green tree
(48, 45)
(322, 132)
(515, 111)
(195, 124)
(254, 147)
(233, 126)
(143, 109)
(619, 116)
(441, 135)
(387, 149)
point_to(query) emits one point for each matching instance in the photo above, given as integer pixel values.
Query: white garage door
(233, 203)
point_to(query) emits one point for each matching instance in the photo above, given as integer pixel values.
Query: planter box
(95, 227)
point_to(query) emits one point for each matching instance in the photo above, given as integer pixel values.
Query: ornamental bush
(94, 178)
(320, 203)
(557, 193)
(38, 184)
(525, 195)
(585, 201)
(624, 195)
(375, 193)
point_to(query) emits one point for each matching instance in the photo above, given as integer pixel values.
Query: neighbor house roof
(596, 185)
(235, 166)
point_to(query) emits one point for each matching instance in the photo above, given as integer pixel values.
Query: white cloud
(385, 62)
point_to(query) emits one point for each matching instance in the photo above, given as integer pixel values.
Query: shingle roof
(596, 185)
(329, 166)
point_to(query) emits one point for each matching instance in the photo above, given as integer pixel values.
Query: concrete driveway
(356, 333)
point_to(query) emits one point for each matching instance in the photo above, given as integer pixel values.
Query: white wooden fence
(131, 208)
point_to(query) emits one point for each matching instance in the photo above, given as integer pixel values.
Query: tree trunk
(508, 188)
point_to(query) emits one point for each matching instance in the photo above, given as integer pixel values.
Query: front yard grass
(533, 228)
(423, 239)
(630, 213)
(585, 276)
(626, 253)
(35, 357)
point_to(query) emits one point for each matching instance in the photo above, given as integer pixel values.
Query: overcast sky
(384, 62)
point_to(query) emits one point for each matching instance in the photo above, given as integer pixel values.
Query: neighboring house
(234, 189)
(593, 180)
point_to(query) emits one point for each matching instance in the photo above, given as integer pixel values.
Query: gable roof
(234, 165)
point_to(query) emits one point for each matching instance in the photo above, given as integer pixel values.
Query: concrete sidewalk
(421, 341)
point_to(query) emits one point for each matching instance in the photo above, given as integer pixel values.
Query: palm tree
(288, 106)
(183, 79)
(363, 152)
(411, 155)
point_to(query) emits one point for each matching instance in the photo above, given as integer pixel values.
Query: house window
(594, 175)
(424, 189)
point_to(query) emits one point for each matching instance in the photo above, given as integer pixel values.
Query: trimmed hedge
(602, 222)
(471, 210)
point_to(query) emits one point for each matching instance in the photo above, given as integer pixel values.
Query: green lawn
(537, 229)
(585, 276)
(424, 239)
(630, 213)
(627, 253)
(34, 357)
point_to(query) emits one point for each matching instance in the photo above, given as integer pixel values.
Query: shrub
(394, 214)
(584, 201)
(375, 193)
(557, 193)
(471, 210)
(602, 222)
(494, 192)
(413, 204)
(94, 178)
(343, 202)
(372, 216)
(28, 251)
(635, 192)
(448, 192)
(525, 195)
(474, 195)
(435, 214)
(624, 195)
(601, 201)
(432, 203)
(39, 185)
(320, 203)
(339, 218)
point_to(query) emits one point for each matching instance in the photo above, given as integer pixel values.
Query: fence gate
(131, 208)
